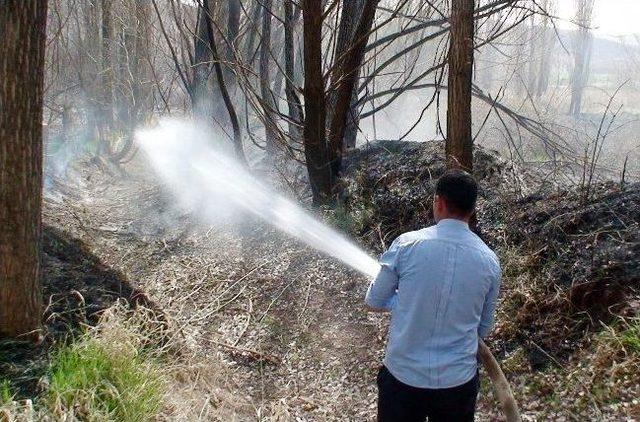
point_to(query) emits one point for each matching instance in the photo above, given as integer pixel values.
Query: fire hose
(501, 386)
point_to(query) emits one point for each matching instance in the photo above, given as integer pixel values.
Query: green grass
(630, 336)
(350, 219)
(104, 377)
(6, 394)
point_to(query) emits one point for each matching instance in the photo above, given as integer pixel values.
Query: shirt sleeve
(382, 290)
(489, 308)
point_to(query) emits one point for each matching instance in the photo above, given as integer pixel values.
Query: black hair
(459, 190)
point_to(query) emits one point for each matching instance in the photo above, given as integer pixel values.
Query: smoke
(209, 181)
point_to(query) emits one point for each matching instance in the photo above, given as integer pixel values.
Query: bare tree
(201, 87)
(231, 110)
(547, 41)
(315, 142)
(581, 54)
(459, 144)
(22, 30)
(267, 98)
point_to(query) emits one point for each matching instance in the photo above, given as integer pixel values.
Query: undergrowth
(616, 361)
(104, 381)
(352, 218)
(110, 372)
(598, 378)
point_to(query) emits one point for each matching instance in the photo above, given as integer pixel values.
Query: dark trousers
(398, 402)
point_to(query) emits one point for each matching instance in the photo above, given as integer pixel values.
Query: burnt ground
(584, 251)
(288, 325)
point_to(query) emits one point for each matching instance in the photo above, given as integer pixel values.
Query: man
(440, 284)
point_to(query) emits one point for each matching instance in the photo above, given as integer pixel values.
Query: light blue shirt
(441, 284)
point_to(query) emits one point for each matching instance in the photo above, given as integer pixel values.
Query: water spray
(213, 184)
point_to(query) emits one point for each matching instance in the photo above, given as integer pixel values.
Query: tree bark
(22, 31)
(202, 92)
(351, 13)
(459, 142)
(347, 72)
(548, 45)
(233, 29)
(314, 132)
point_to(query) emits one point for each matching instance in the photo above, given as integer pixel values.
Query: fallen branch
(253, 354)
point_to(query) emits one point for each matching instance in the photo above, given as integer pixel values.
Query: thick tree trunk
(459, 143)
(351, 13)
(22, 31)
(347, 73)
(315, 142)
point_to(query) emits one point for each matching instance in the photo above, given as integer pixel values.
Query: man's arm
(489, 308)
(381, 295)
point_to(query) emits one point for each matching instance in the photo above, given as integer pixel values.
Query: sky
(611, 17)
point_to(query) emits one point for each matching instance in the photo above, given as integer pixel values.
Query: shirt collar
(453, 223)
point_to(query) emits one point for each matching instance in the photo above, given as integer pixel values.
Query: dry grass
(132, 366)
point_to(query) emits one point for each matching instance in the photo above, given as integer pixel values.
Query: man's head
(456, 193)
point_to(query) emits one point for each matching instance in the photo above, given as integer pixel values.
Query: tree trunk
(201, 69)
(347, 74)
(351, 13)
(22, 31)
(268, 103)
(548, 45)
(459, 143)
(106, 71)
(533, 62)
(315, 142)
(293, 102)
(582, 55)
(233, 116)
(233, 29)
